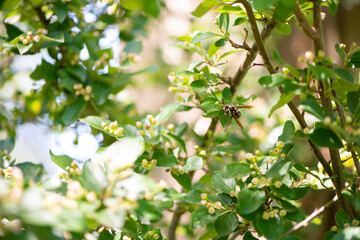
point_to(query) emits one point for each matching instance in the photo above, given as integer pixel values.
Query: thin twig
(315, 213)
(304, 24)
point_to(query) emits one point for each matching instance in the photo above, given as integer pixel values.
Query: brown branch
(315, 213)
(304, 24)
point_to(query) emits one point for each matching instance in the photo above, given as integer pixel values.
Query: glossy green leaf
(199, 86)
(94, 177)
(209, 105)
(226, 94)
(284, 28)
(273, 80)
(178, 140)
(24, 48)
(133, 47)
(193, 163)
(325, 138)
(223, 21)
(260, 5)
(224, 119)
(31, 171)
(167, 111)
(73, 111)
(9, 4)
(279, 168)
(201, 217)
(193, 197)
(341, 218)
(288, 131)
(12, 31)
(236, 170)
(221, 183)
(249, 201)
(284, 99)
(200, 36)
(290, 193)
(226, 223)
(272, 228)
(60, 11)
(344, 74)
(204, 7)
(183, 179)
(284, 9)
(62, 161)
(353, 101)
(163, 159)
(311, 106)
(355, 60)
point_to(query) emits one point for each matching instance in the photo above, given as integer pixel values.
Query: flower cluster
(271, 214)
(113, 128)
(80, 90)
(211, 206)
(148, 127)
(148, 164)
(29, 37)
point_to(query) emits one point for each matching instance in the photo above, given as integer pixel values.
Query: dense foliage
(242, 191)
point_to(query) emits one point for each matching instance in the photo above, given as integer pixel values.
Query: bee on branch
(234, 112)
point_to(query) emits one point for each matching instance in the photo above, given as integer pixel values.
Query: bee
(234, 112)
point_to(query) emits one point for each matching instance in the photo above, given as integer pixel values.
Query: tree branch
(315, 213)
(304, 24)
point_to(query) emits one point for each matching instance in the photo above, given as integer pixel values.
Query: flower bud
(285, 71)
(203, 202)
(139, 124)
(149, 117)
(25, 41)
(37, 38)
(277, 184)
(147, 127)
(211, 210)
(306, 130)
(255, 181)
(327, 120)
(342, 46)
(154, 121)
(280, 144)
(103, 124)
(282, 212)
(265, 215)
(141, 133)
(91, 196)
(114, 125)
(153, 161)
(119, 131)
(204, 196)
(309, 56)
(232, 194)
(272, 214)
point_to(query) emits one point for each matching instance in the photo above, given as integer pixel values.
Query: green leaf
(352, 101)
(290, 193)
(60, 11)
(152, 7)
(288, 131)
(201, 217)
(284, 28)
(333, 6)
(203, 35)
(249, 201)
(279, 168)
(236, 170)
(204, 7)
(260, 5)
(9, 4)
(193, 163)
(163, 159)
(12, 31)
(78, 71)
(284, 9)
(178, 140)
(351, 233)
(249, 236)
(30, 171)
(325, 138)
(24, 48)
(223, 21)
(7, 144)
(193, 197)
(239, 21)
(340, 52)
(344, 74)
(213, 49)
(311, 106)
(225, 54)
(284, 99)
(209, 105)
(93, 177)
(224, 119)
(273, 80)
(341, 218)
(226, 94)
(167, 111)
(226, 223)
(183, 179)
(62, 161)
(133, 47)
(199, 86)
(73, 111)
(147, 213)
(221, 183)
(110, 218)
(271, 228)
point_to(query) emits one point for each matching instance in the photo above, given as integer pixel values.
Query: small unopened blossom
(321, 54)
(162, 184)
(119, 131)
(342, 45)
(150, 167)
(153, 161)
(262, 180)
(280, 144)
(349, 119)
(37, 38)
(88, 89)
(141, 133)
(334, 228)
(154, 121)
(306, 130)
(211, 210)
(266, 215)
(309, 56)
(103, 124)
(171, 77)
(149, 117)
(277, 184)
(283, 155)
(202, 153)
(25, 41)
(171, 127)
(347, 225)
(139, 124)
(91, 196)
(355, 222)
(282, 212)
(147, 127)
(87, 98)
(249, 156)
(203, 202)
(285, 71)
(204, 196)
(276, 150)
(217, 205)
(113, 125)
(327, 120)
(156, 236)
(255, 181)
(272, 214)
(232, 194)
